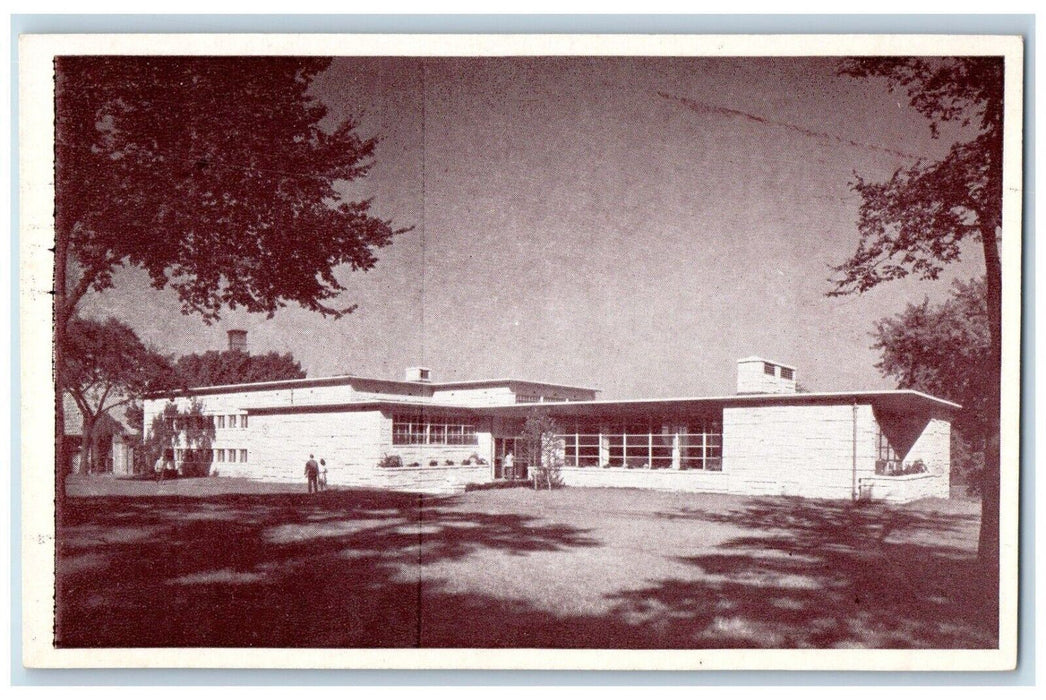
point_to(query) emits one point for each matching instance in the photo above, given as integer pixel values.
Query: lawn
(217, 562)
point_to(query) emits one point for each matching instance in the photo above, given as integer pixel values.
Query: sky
(634, 225)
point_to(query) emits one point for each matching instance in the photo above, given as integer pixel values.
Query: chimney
(238, 340)
(419, 374)
(756, 375)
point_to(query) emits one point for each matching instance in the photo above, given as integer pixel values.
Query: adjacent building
(422, 435)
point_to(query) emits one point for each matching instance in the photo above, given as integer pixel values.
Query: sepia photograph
(690, 350)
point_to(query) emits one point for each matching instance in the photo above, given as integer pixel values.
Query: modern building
(422, 435)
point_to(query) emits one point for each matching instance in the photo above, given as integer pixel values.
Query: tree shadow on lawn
(340, 569)
(827, 574)
(343, 569)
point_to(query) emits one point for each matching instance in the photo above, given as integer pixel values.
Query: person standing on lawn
(312, 474)
(323, 474)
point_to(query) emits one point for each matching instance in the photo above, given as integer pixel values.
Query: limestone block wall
(797, 450)
(902, 489)
(695, 481)
(439, 480)
(350, 442)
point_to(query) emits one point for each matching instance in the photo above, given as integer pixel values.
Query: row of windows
(416, 430)
(696, 446)
(219, 455)
(231, 421)
(203, 422)
(535, 398)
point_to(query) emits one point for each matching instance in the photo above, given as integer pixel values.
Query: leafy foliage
(214, 175)
(235, 367)
(915, 222)
(541, 450)
(943, 349)
(389, 461)
(106, 366)
(218, 176)
(187, 429)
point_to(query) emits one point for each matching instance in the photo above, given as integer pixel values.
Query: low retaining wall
(901, 489)
(657, 479)
(441, 479)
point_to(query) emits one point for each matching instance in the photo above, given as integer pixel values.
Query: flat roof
(417, 388)
(891, 400)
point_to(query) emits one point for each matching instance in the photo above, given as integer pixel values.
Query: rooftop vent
(419, 374)
(756, 375)
(238, 340)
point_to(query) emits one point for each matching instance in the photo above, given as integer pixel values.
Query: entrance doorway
(502, 448)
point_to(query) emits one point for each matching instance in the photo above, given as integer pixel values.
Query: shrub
(916, 467)
(494, 485)
(415, 464)
(892, 468)
(448, 462)
(390, 461)
(433, 462)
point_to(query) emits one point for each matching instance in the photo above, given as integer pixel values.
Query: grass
(219, 562)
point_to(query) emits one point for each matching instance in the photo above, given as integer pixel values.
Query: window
(243, 422)
(787, 373)
(887, 461)
(527, 398)
(220, 457)
(581, 448)
(232, 421)
(232, 455)
(645, 446)
(768, 369)
(243, 455)
(418, 430)
(221, 422)
(701, 445)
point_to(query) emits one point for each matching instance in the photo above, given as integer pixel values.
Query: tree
(105, 366)
(541, 450)
(915, 222)
(218, 176)
(188, 429)
(944, 349)
(235, 367)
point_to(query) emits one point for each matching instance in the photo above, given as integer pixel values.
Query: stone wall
(804, 450)
(693, 480)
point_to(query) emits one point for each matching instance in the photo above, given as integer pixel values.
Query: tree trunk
(85, 456)
(988, 542)
(61, 254)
